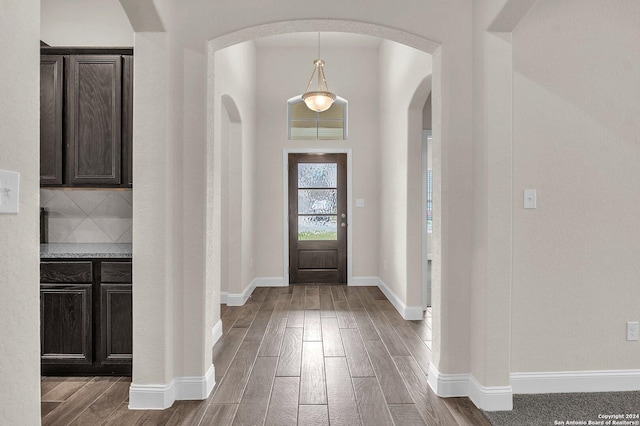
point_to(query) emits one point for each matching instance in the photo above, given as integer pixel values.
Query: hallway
(310, 355)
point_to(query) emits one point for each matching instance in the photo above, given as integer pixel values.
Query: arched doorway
(210, 288)
(215, 141)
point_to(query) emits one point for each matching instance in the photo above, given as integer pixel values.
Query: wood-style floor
(305, 355)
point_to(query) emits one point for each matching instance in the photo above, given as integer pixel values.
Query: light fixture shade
(318, 101)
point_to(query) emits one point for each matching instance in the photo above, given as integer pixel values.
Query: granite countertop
(85, 250)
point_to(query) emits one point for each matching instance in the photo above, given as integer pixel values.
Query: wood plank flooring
(297, 355)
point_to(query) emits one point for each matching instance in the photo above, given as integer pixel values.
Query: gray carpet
(569, 409)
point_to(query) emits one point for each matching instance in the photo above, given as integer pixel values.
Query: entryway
(317, 201)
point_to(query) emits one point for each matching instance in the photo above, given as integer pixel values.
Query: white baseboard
(270, 282)
(197, 387)
(160, 397)
(364, 281)
(576, 381)
(151, 397)
(413, 313)
(407, 312)
(216, 332)
(237, 299)
(448, 385)
(494, 398)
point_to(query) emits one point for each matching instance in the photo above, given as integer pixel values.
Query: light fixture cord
(322, 81)
(323, 86)
(320, 78)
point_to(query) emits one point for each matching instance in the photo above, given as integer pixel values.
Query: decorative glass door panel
(318, 205)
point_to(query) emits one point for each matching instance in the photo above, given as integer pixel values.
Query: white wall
(154, 297)
(225, 230)
(283, 73)
(235, 77)
(198, 307)
(490, 283)
(576, 126)
(402, 70)
(85, 23)
(19, 233)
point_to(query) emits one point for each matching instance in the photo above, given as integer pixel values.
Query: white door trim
(285, 203)
(426, 134)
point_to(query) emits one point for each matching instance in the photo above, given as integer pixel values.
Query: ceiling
(327, 39)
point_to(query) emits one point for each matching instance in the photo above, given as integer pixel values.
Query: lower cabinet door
(66, 325)
(116, 323)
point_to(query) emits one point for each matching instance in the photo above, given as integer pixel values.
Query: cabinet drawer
(66, 272)
(116, 272)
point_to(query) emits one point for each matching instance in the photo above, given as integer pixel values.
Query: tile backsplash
(88, 216)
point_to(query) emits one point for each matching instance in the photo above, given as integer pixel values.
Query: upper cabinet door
(94, 111)
(127, 120)
(51, 68)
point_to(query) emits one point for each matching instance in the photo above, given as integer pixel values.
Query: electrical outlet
(633, 330)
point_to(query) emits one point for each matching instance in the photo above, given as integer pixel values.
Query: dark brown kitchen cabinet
(65, 315)
(90, 144)
(94, 117)
(127, 120)
(116, 321)
(86, 317)
(51, 95)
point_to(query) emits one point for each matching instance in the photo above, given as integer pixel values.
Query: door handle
(343, 224)
(343, 215)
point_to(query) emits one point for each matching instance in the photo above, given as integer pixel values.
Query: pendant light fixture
(321, 99)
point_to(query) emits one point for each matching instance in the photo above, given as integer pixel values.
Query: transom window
(305, 124)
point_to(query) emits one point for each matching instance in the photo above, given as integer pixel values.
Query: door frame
(285, 204)
(426, 256)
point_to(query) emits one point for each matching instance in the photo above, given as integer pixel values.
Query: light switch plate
(633, 331)
(359, 202)
(9, 191)
(529, 198)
